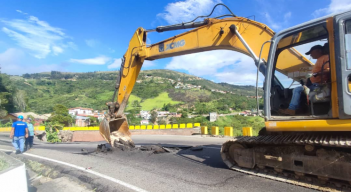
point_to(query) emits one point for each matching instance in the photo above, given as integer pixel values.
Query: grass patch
(158, 102)
(3, 164)
(131, 99)
(106, 96)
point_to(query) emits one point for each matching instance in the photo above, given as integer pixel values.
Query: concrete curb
(14, 177)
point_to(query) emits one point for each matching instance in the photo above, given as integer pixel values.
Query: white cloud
(13, 62)
(335, 6)
(19, 11)
(183, 11)
(117, 64)
(207, 63)
(37, 36)
(92, 42)
(71, 45)
(101, 60)
(57, 50)
(287, 15)
(237, 78)
(277, 25)
(223, 65)
(10, 56)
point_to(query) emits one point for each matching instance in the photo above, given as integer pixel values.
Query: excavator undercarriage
(316, 160)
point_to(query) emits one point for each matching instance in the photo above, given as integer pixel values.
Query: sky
(85, 36)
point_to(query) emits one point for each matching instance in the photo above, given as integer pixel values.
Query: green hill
(154, 89)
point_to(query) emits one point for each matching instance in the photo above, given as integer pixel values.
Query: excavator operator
(320, 68)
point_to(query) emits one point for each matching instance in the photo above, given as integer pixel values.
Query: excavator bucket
(116, 132)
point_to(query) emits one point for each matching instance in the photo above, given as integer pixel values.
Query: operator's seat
(319, 96)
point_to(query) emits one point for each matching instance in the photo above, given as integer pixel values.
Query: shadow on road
(209, 155)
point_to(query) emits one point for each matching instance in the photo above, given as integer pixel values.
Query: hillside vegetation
(39, 92)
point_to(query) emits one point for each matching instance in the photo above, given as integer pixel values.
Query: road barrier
(228, 131)
(247, 131)
(214, 130)
(204, 130)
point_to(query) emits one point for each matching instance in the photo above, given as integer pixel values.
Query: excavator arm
(234, 33)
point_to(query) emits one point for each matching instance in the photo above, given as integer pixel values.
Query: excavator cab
(322, 103)
(296, 75)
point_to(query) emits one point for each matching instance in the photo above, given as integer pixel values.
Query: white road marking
(87, 170)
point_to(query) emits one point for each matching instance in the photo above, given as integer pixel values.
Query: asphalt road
(180, 170)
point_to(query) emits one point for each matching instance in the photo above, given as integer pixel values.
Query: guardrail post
(228, 131)
(247, 131)
(214, 130)
(204, 130)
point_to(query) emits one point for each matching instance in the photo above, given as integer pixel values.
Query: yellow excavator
(313, 145)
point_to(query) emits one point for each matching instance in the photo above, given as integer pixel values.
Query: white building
(162, 113)
(80, 111)
(145, 114)
(144, 122)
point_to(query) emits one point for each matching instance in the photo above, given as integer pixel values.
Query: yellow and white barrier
(228, 131)
(214, 130)
(247, 131)
(204, 130)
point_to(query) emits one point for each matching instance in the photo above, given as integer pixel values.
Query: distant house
(144, 122)
(162, 113)
(213, 116)
(9, 117)
(176, 114)
(145, 114)
(80, 111)
(82, 121)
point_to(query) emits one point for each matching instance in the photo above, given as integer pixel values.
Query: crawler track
(308, 180)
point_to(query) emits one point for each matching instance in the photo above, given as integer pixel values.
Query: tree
(243, 105)
(60, 115)
(136, 104)
(20, 100)
(184, 114)
(162, 122)
(94, 121)
(153, 116)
